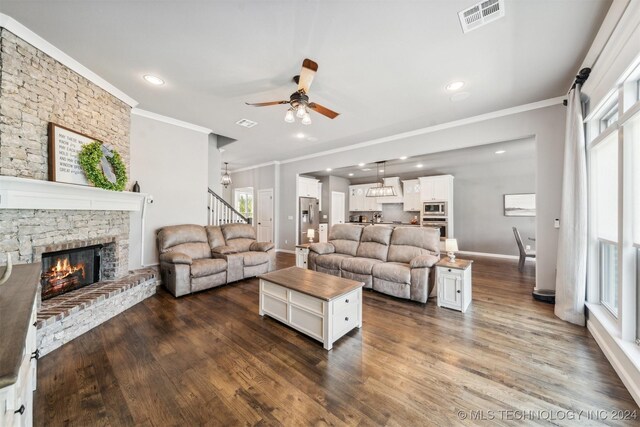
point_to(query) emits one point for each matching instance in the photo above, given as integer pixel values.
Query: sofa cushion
(359, 265)
(239, 236)
(262, 246)
(410, 242)
(393, 272)
(331, 261)
(424, 261)
(207, 267)
(322, 248)
(175, 258)
(374, 242)
(174, 235)
(255, 258)
(192, 250)
(214, 236)
(345, 238)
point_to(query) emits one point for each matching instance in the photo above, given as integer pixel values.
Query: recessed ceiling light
(351, 174)
(157, 81)
(328, 169)
(454, 86)
(460, 96)
(419, 165)
(403, 158)
(366, 169)
(500, 152)
(381, 170)
(300, 135)
(361, 164)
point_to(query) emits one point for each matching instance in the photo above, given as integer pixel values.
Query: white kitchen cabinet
(436, 188)
(308, 187)
(324, 233)
(411, 195)
(358, 200)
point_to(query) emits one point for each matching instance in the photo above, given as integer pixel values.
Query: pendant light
(381, 190)
(226, 178)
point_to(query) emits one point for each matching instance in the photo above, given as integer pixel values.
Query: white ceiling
(383, 65)
(439, 163)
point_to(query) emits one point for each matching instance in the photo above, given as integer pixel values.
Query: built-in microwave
(434, 208)
(442, 226)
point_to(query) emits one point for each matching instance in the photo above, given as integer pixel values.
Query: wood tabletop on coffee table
(319, 285)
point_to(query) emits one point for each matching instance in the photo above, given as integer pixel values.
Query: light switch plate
(290, 217)
(324, 217)
(556, 223)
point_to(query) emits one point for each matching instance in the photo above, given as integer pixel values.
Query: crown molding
(261, 165)
(169, 120)
(10, 24)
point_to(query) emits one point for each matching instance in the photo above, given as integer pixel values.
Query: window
(243, 198)
(604, 192)
(632, 136)
(609, 118)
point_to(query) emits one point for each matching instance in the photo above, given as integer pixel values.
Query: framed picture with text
(64, 146)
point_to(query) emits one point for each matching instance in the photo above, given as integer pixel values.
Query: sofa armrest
(424, 261)
(224, 250)
(176, 258)
(261, 246)
(322, 248)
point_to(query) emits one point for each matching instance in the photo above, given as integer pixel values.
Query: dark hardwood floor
(210, 359)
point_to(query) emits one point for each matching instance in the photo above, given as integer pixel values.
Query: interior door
(337, 207)
(265, 215)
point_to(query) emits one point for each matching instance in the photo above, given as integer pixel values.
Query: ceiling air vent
(246, 123)
(481, 14)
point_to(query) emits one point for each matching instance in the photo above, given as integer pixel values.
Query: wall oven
(434, 208)
(441, 225)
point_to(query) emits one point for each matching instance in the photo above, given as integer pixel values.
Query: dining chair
(524, 253)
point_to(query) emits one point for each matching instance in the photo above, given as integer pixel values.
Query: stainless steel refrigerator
(309, 218)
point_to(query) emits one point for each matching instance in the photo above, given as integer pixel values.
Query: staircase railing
(221, 212)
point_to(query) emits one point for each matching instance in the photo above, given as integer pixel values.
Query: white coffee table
(319, 305)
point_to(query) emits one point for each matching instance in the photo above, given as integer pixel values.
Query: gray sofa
(194, 258)
(395, 261)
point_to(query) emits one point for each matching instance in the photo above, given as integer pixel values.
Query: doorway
(337, 208)
(265, 215)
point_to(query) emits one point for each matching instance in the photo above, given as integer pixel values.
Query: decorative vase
(136, 187)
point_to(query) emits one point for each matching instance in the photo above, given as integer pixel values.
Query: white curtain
(571, 275)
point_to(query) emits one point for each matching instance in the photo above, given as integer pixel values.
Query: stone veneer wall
(35, 89)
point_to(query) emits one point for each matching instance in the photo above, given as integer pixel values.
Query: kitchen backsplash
(392, 212)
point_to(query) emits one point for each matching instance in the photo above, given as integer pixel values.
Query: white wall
(546, 125)
(170, 163)
(215, 165)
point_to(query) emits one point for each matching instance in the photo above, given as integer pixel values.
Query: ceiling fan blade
(266, 104)
(323, 110)
(309, 69)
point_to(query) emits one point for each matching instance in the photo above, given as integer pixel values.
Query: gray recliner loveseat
(194, 258)
(395, 261)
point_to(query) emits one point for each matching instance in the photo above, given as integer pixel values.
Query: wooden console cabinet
(18, 353)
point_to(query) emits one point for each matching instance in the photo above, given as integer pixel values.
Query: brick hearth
(65, 317)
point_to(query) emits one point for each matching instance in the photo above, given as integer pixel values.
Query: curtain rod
(582, 77)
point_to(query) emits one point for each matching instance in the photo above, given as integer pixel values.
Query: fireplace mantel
(25, 193)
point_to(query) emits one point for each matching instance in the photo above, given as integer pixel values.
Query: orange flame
(63, 269)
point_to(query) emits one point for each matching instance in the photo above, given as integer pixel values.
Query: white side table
(302, 255)
(454, 283)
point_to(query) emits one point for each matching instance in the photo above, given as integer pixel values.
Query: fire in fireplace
(64, 271)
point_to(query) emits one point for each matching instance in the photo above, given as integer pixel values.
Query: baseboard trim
(615, 355)
(487, 254)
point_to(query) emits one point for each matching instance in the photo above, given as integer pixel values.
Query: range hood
(394, 183)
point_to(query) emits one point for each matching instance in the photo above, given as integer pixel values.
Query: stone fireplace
(48, 222)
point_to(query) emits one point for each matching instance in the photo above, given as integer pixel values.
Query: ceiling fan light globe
(306, 119)
(301, 111)
(289, 118)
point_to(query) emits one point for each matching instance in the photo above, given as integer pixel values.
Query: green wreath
(90, 157)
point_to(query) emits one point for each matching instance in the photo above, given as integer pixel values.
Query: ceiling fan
(299, 100)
